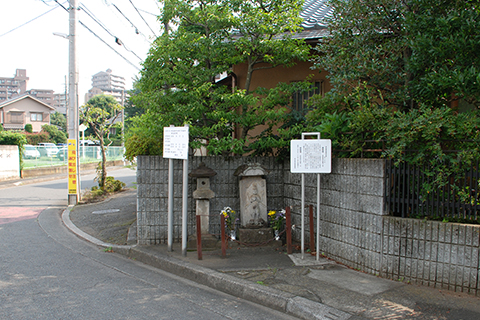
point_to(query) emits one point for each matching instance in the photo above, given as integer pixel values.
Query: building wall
(355, 228)
(28, 106)
(270, 78)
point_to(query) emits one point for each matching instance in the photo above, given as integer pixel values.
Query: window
(299, 99)
(36, 116)
(16, 117)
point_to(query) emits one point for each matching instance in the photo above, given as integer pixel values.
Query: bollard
(199, 237)
(312, 234)
(288, 218)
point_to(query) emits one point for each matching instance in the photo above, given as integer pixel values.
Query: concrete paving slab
(353, 280)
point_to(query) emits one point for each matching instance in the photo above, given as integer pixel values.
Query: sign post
(72, 167)
(310, 156)
(175, 146)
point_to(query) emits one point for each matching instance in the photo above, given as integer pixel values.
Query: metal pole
(318, 217)
(317, 249)
(170, 205)
(184, 207)
(302, 209)
(73, 102)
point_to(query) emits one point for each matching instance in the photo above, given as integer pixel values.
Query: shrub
(29, 128)
(36, 138)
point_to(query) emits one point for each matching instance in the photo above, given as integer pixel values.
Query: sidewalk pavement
(304, 288)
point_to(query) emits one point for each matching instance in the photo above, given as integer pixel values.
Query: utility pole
(73, 194)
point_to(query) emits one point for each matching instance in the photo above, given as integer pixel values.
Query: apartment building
(107, 83)
(44, 95)
(14, 86)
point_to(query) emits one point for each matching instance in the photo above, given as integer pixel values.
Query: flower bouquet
(230, 221)
(276, 220)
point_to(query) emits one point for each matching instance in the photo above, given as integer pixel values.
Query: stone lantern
(203, 194)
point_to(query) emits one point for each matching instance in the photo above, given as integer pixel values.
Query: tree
(178, 82)
(56, 136)
(404, 52)
(59, 120)
(100, 113)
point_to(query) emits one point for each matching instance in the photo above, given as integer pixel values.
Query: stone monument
(253, 203)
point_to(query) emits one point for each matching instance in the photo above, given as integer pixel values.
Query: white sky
(45, 56)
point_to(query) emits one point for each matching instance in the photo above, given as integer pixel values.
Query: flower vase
(277, 234)
(233, 235)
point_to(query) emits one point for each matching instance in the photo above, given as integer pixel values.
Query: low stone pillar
(202, 195)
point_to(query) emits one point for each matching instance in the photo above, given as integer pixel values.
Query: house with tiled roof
(314, 14)
(19, 111)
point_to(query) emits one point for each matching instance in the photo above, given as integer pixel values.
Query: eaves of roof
(21, 97)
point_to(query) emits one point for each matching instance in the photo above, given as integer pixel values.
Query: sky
(31, 45)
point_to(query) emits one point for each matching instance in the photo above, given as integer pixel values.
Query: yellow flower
(271, 213)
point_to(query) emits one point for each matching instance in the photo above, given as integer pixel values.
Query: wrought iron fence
(457, 200)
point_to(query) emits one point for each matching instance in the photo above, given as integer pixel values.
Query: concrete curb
(269, 297)
(69, 224)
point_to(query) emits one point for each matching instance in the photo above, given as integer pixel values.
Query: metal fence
(458, 199)
(39, 156)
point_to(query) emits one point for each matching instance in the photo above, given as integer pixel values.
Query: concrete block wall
(352, 205)
(9, 162)
(355, 228)
(432, 253)
(152, 193)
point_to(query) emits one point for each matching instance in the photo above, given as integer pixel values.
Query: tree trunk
(103, 176)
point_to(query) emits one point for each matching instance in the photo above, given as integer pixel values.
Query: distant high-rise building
(60, 103)
(107, 83)
(15, 86)
(44, 95)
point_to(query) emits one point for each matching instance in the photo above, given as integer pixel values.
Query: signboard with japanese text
(311, 156)
(175, 142)
(72, 166)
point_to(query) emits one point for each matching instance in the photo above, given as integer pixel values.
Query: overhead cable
(117, 39)
(109, 46)
(143, 18)
(1, 35)
(137, 31)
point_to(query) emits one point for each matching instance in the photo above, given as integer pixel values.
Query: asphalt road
(46, 272)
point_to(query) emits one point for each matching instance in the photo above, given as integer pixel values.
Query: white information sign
(175, 142)
(311, 156)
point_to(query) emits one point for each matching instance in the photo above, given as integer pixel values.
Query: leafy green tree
(56, 136)
(59, 120)
(404, 53)
(100, 113)
(178, 86)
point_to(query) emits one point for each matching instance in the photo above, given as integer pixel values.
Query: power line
(117, 39)
(137, 31)
(109, 46)
(143, 18)
(1, 35)
(91, 15)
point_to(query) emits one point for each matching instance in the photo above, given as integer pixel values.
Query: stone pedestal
(262, 236)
